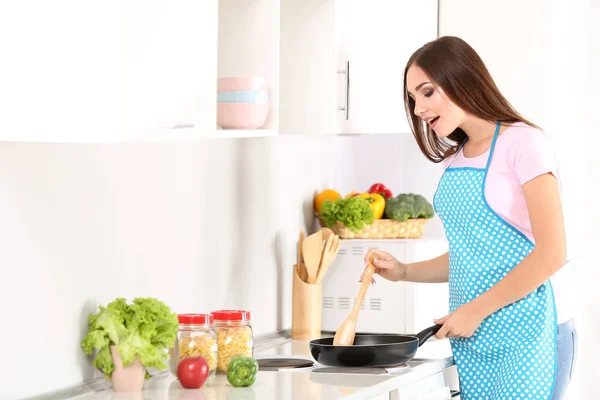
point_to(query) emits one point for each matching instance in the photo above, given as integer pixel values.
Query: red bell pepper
(381, 189)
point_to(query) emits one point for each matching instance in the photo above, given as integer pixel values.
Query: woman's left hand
(462, 322)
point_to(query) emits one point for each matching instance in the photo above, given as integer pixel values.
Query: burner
(351, 370)
(275, 364)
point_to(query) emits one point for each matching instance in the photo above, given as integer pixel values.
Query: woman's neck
(478, 130)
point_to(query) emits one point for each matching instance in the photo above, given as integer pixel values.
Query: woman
(500, 205)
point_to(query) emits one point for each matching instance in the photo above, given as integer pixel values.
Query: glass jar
(196, 337)
(234, 336)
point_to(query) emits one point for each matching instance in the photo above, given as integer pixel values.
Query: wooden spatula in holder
(307, 303)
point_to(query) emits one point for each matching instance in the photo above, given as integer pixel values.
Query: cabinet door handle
(346, 72)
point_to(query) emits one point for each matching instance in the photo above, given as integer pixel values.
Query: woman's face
(431, 103)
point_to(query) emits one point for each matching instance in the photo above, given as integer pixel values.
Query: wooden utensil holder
(307, 308)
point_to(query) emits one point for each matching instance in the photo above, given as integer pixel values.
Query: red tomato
(192, 372)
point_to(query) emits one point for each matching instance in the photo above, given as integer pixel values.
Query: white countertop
(433, 356)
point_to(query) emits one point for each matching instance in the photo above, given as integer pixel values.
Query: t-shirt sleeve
(534, 156)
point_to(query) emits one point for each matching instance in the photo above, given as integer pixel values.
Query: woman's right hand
(385, 265)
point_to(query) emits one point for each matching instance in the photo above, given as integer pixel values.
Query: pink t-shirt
(521, 154)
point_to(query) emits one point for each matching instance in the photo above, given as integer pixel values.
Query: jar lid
(195, 319)
(231, 315)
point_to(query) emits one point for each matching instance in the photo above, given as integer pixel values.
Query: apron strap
(489, 161)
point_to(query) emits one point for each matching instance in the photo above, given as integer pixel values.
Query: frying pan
(370, 350)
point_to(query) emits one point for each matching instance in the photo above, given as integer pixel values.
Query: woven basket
(381, 229)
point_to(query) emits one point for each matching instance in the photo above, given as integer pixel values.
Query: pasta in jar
(234, 336)
(204, 345)
(196, 338)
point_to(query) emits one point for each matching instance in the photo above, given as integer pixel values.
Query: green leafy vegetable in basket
(407, 206)
(353, 212)
(144, 329)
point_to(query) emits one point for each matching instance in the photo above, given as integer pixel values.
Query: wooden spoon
(346, 332)
(312, 248)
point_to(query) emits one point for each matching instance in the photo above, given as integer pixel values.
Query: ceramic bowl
(242, 115)
(244, 96)
(239, 83)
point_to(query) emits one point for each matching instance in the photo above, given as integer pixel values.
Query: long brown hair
(454, 66)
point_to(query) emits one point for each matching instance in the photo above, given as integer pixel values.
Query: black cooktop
(275, 364)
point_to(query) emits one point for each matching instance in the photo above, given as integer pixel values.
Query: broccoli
(408, 206)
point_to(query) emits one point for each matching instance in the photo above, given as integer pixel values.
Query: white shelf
(197, 134)
(224, 133)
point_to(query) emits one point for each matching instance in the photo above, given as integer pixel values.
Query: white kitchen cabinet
(249, 32)
(147, 70)
(140, 70)
(299, 47)
(224, 38)
(343, 63)
(308, 80)
(374, 41)
(431, 387)
(168, 67)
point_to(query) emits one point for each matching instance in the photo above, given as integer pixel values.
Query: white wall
(200, 226)
(588, 374)
(394, 160)
(507, 35)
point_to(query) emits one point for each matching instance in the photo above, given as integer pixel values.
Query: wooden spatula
(312, 247)
(346, 332)
(326, 233)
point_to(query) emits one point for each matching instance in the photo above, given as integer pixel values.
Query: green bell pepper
(242, 371)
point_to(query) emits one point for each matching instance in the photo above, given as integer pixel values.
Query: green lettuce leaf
(104, 362)
(144, 330)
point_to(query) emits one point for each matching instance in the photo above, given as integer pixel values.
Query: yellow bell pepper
(376, 202)
(352, 193)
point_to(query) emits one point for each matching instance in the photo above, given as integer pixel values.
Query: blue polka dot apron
(512, 355)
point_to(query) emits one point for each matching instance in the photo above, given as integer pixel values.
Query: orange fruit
(328, 194)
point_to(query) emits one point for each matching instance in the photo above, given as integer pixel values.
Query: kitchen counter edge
(419, 368)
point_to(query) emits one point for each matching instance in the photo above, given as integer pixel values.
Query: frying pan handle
(427, 333)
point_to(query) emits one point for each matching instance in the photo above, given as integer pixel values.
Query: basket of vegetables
(376, 214)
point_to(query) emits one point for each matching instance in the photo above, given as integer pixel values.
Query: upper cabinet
(344, 63)
(148, 70)
(374, 41)
(168, 66)
(249, 47)
(174, 66)
(308, 75)
(144, 70)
